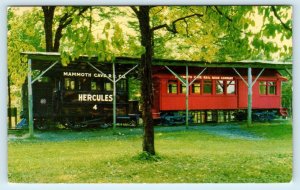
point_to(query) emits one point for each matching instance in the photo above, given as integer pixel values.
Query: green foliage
(103, 37)
(221, 33)
(276, 29)
(134, 88)
(193, 38)
(287, 95)
(25, 33)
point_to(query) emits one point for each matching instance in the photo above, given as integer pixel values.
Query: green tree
(222, 27)
(25, 29)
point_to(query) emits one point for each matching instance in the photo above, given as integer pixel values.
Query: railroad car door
(156, 98)
(242, 95)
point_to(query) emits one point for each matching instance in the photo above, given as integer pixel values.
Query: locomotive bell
(43, 101)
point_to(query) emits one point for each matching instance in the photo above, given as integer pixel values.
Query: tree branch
(186, 28)
(230, 20)
(63, 23)
(221, 13)
(158, 11)
(173, 28)
(164, 26)
(278, 17)
(135, 10)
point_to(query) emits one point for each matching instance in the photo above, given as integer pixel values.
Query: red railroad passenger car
(219, 94)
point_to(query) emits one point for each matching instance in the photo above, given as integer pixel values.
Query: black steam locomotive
(78, 96)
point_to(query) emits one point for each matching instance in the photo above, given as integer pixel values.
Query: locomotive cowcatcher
(79, 95)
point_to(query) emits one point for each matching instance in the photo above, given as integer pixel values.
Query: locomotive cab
(78, 96)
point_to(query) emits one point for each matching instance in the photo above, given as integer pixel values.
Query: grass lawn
(203, 154)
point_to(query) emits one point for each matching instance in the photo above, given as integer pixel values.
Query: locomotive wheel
(105, 125)
(73, 125)
(78, 126)
(166, 123)
(41, 124)
(67, 123)
(132, 123)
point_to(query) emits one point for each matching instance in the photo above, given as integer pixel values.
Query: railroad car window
(95, 85)
(182, 88)
(230, 89)
(207, 86)
(84, 84)
(44, 79)
(220, 87)
(196, 87)
(108, 86)
(272, 88)
(209, 116)
(172, 87)
(262, 87)
(69, 84)
(121, 85)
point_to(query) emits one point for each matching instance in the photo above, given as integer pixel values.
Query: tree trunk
(52, 45)
(58, 36)
(48, 23)
(146, 79)
(64, 21)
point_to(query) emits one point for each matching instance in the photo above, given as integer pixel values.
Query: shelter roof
(39, 57)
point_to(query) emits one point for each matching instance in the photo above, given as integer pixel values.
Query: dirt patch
(232, 131)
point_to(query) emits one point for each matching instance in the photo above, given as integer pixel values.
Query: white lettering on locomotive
(77, 74)
(122, 76)
(95, 75)
(95, 98)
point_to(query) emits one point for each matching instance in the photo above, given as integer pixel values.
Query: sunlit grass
(190, 156)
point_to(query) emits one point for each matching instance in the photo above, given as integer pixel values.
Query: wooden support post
(187, 84)
(30, 97)
(16, 117)
(186, 96)
(30, 102)
(9, 103)
(249, 118)
(249, 85)
(114, 99)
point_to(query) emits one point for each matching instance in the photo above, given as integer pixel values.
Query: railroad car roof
(161, 71)
(46, 57)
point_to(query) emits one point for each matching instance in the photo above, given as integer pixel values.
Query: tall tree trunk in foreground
(146, 77)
